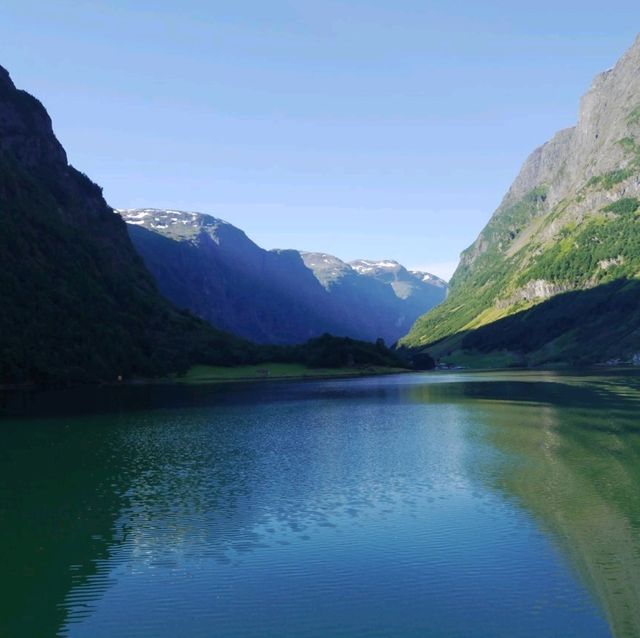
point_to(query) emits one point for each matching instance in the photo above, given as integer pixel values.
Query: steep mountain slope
(77, 302)
(278, 296)
(560, 257)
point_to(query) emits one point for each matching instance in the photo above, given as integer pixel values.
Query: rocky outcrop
(533, 291)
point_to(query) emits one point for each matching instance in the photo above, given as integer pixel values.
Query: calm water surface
(419, 505)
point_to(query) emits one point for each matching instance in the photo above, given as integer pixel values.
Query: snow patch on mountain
(156, 218)
(366, 266)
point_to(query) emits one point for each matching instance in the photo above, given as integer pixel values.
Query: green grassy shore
(271, 371)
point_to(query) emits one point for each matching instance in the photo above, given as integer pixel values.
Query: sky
(379, 129)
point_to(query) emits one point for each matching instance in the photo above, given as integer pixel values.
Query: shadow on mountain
(279, 297)
(236, 286)
(580, 327)
(78, 305)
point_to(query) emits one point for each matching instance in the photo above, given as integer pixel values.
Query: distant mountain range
(555, 275)
(213, 269)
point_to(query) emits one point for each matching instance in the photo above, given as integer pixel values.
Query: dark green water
(419, 505)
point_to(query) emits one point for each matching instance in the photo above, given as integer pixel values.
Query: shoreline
(216, 380)
(308, 376)
(181, 381)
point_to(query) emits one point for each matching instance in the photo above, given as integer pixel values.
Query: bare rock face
(592, 148)
(543, 166)
(537, 290)
(589, 148)
(567, 223)
(327, 269)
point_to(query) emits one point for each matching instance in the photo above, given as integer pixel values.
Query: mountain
(77, 302)
(554, 276)
(213, 269)
(421, 288)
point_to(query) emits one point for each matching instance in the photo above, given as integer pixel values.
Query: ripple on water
(366, 508)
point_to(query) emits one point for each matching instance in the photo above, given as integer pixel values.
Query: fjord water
(413, 505)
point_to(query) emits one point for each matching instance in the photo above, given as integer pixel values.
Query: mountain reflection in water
(503, 504)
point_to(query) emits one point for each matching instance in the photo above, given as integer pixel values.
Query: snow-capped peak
(366, 266)
(162, 219)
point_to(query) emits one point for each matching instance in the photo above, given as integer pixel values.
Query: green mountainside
(555, 275)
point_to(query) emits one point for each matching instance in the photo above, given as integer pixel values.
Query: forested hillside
(77, 302)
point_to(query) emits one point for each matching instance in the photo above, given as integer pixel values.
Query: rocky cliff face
(78, 304)
(568, 223)
(279, 296)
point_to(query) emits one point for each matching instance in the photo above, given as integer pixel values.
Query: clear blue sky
(363, 128)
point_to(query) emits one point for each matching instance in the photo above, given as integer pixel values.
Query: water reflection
(579, 473)
(573, 448)
(421, 477)
(59, 498)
